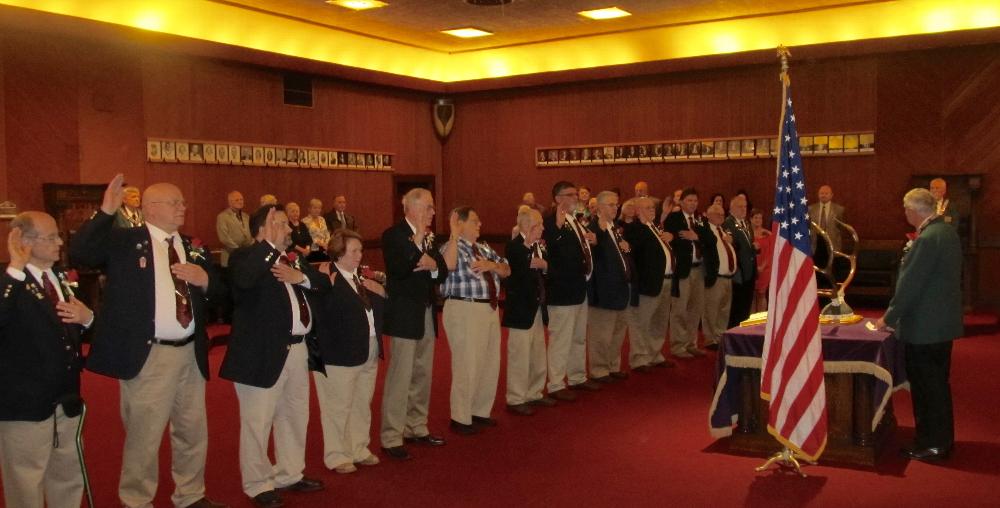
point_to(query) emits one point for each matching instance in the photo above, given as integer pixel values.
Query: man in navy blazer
(655, 267)
(267, 357)
(40, 325)
(694, 246)
(151, 336)
(611, 292)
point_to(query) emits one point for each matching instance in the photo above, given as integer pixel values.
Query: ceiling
(420, 22)
(533, 38)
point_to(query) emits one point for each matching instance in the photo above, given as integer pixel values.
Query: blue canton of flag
(791, 207)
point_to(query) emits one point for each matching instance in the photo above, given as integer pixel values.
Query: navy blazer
(344, 332)
(684, 249)
(522, 301)
(262, 315)
(566, 283)
(40, 358)
(125, 328)
(609, 288)
(746, 255)
(650, 262)
(409, 292)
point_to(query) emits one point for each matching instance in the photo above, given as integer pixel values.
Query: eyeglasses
(177, 203)
(47, 238)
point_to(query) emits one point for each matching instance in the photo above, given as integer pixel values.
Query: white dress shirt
(297, 327)
(369, 313)
(166, 324)
(578, 229)
(668, 256)
(725, 250)
(689, 219)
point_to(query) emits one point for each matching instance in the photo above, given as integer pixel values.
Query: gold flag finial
(783, 54)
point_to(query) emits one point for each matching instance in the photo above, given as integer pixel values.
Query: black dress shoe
(397, 452)
(563, 395)
(930, 454)
(269, 499)
(462, 429)
(587, 385)
(521, 409)
(208, 503)
(303, 485)
(484, 421)
(544, 401)
(712, 347)
(619, 375)
(644, 369)
(429, 440)
(605, 379)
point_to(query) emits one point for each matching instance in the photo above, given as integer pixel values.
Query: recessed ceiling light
(357, 5)
(466, 33)
(606, 13)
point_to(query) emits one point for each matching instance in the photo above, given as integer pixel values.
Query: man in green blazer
(926, 315)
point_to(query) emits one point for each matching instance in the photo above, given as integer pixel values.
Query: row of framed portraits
(237, 154)
(712, 149)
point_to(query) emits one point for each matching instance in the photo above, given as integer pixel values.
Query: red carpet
(641, 442)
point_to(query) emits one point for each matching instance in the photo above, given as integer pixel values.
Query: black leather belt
(470, 300)
(668, 276)
(174, 343)
(726, 276)
(296, 339)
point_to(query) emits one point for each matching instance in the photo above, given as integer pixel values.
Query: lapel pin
(142, 262)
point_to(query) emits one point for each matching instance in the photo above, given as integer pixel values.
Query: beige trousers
(473, 331)
(715, 317)
(345, 408)
(567, 345)
(285, 406)
(36, 473)
(526, 362)
(406, 396)
(169, 389)
(653, 317)
(686, 311)
(607, 334)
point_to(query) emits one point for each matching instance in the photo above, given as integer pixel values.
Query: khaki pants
(407, 392)
(686, 311)
(607, 334)
(345, 407)
(715, 317)
(653, 317)
(36, 473)
(473, 331)
(567, 345)
(285, 406)
(526, 362)
(169, 389)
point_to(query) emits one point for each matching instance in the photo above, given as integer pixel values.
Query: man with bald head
(40, 366)
(151, 337)
(745, 278)
(642, 191)
(825, 213)
(944, 207)
(233, 227)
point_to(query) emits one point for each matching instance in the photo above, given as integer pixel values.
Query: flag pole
(786, 457)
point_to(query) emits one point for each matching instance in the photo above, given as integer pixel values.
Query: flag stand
(788, 459)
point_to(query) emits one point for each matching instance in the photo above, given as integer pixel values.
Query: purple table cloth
(847, 349)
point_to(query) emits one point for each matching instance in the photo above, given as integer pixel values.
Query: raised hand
(20, 253)
(74, 311)
(113, 195)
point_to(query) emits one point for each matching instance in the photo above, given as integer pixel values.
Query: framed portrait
(642, 153)
(279, 156)
(222, 154)
(682, 150)
(836, 143)
(733, 148)
(694, 149)
(313, 158)
(619, 153)
(821, 144)
(597, 154)
(181, 148)
(291, 158)
(552, 157)
(153, 151)
(331, 159)
(657, 155)
(234, 155)
(632, 153)
(210, 153)
(747, 148)
(540, 159)
(302, 157)
(341, 159)
(196, 153)
(866, 142)
(585, 156)
(351, 159)
(324, 161)
(762, 148)
(258, 156)
(378, 161)
(720, 150)
(387, 160)
(370, 160)
(851, 142)
(707, 149)
(806, 144)
(573, 156)
(269, 157)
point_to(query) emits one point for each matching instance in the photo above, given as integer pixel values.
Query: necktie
(362, 293)
(656, 232)
(822, 218)
(617, 240)
(182, 294)
(587, 261)
(729, 251)
(491, 288)
(50, 289)
(539, 278)
(340, 217)
(239, 215)
(300, 296)
(697, 247)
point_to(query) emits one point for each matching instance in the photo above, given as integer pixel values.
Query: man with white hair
(926, 315)
(943, 206)
(655, 266)
(130, 214)
(720, 264)
(745, 277)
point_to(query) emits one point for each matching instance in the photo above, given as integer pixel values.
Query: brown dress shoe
(520, 409)
(208, 503)
(588, 385)
(563, 395)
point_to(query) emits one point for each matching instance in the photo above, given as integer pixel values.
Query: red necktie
(491, 289)
(729, 252)
(587, 261)
(182, 294)
(50, 289)
(300, 297)
(362, 293)
(697, 248)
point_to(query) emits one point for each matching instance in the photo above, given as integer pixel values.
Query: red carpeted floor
(640, 442)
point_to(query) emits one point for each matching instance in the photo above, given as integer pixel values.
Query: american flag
(792, 375)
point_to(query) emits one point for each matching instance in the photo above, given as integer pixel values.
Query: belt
(174, 343)
(726, 276)
(696, 265)
(296, 339)
(470, 300)
(668, 276)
